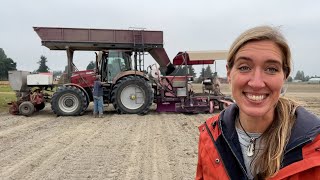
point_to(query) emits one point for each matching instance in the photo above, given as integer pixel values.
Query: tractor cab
(111, 63)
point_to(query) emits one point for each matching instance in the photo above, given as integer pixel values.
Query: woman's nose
(256, 79)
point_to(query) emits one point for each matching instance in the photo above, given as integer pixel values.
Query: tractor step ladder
(138, 46)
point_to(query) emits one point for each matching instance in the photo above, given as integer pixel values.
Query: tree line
(301, 77)
(7, 64)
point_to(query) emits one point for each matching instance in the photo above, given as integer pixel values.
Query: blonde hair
(276, 137)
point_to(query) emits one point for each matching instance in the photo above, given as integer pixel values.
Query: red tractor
(128, 87)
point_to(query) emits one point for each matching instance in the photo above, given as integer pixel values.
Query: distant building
(296, 81)
(314, 81)
(57, 78)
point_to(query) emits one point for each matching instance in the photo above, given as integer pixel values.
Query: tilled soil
(153, 146)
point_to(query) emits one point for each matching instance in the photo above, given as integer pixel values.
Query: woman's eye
(272, 70)
(244, 68)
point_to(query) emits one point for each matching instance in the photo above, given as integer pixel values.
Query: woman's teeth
(255, 97)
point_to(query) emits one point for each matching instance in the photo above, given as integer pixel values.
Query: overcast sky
(187, 25)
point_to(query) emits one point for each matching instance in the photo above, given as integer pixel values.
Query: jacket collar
(305, 128)
(228, 121)
(228, 130)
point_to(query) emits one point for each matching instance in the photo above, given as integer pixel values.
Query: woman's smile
(255, 97)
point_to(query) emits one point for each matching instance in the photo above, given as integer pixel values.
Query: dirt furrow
(18, 135)
(149, 156)
(98, 157)
(33, 160)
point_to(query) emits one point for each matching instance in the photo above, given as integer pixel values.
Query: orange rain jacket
(220, 156)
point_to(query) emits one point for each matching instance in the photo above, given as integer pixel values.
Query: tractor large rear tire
(68, 101)
(132, 95)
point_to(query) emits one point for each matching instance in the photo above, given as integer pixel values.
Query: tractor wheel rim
(25, 109)
(132, 97)
(68, 102)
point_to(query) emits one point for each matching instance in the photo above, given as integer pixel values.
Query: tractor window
(120, 59)
(117, 62)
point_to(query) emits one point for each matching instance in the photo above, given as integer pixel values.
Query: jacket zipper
(209, 132)
(234, 154)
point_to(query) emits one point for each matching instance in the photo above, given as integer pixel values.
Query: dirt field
(154, 146)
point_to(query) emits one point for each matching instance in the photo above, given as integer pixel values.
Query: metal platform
(56, 38)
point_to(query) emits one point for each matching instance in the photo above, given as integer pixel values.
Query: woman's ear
(283, 89)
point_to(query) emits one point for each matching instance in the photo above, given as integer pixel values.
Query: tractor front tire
(26, 108)
(68, 101)
(132, 95)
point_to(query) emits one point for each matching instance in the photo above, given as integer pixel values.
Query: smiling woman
(263, 135)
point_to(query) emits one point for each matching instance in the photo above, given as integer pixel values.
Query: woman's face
(257, 78)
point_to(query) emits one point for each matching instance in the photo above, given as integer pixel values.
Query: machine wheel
(26, 108)
(229, 99)
(211, 110)
(39, 106)
(68, 101)
(132, 95)
(222, 106)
